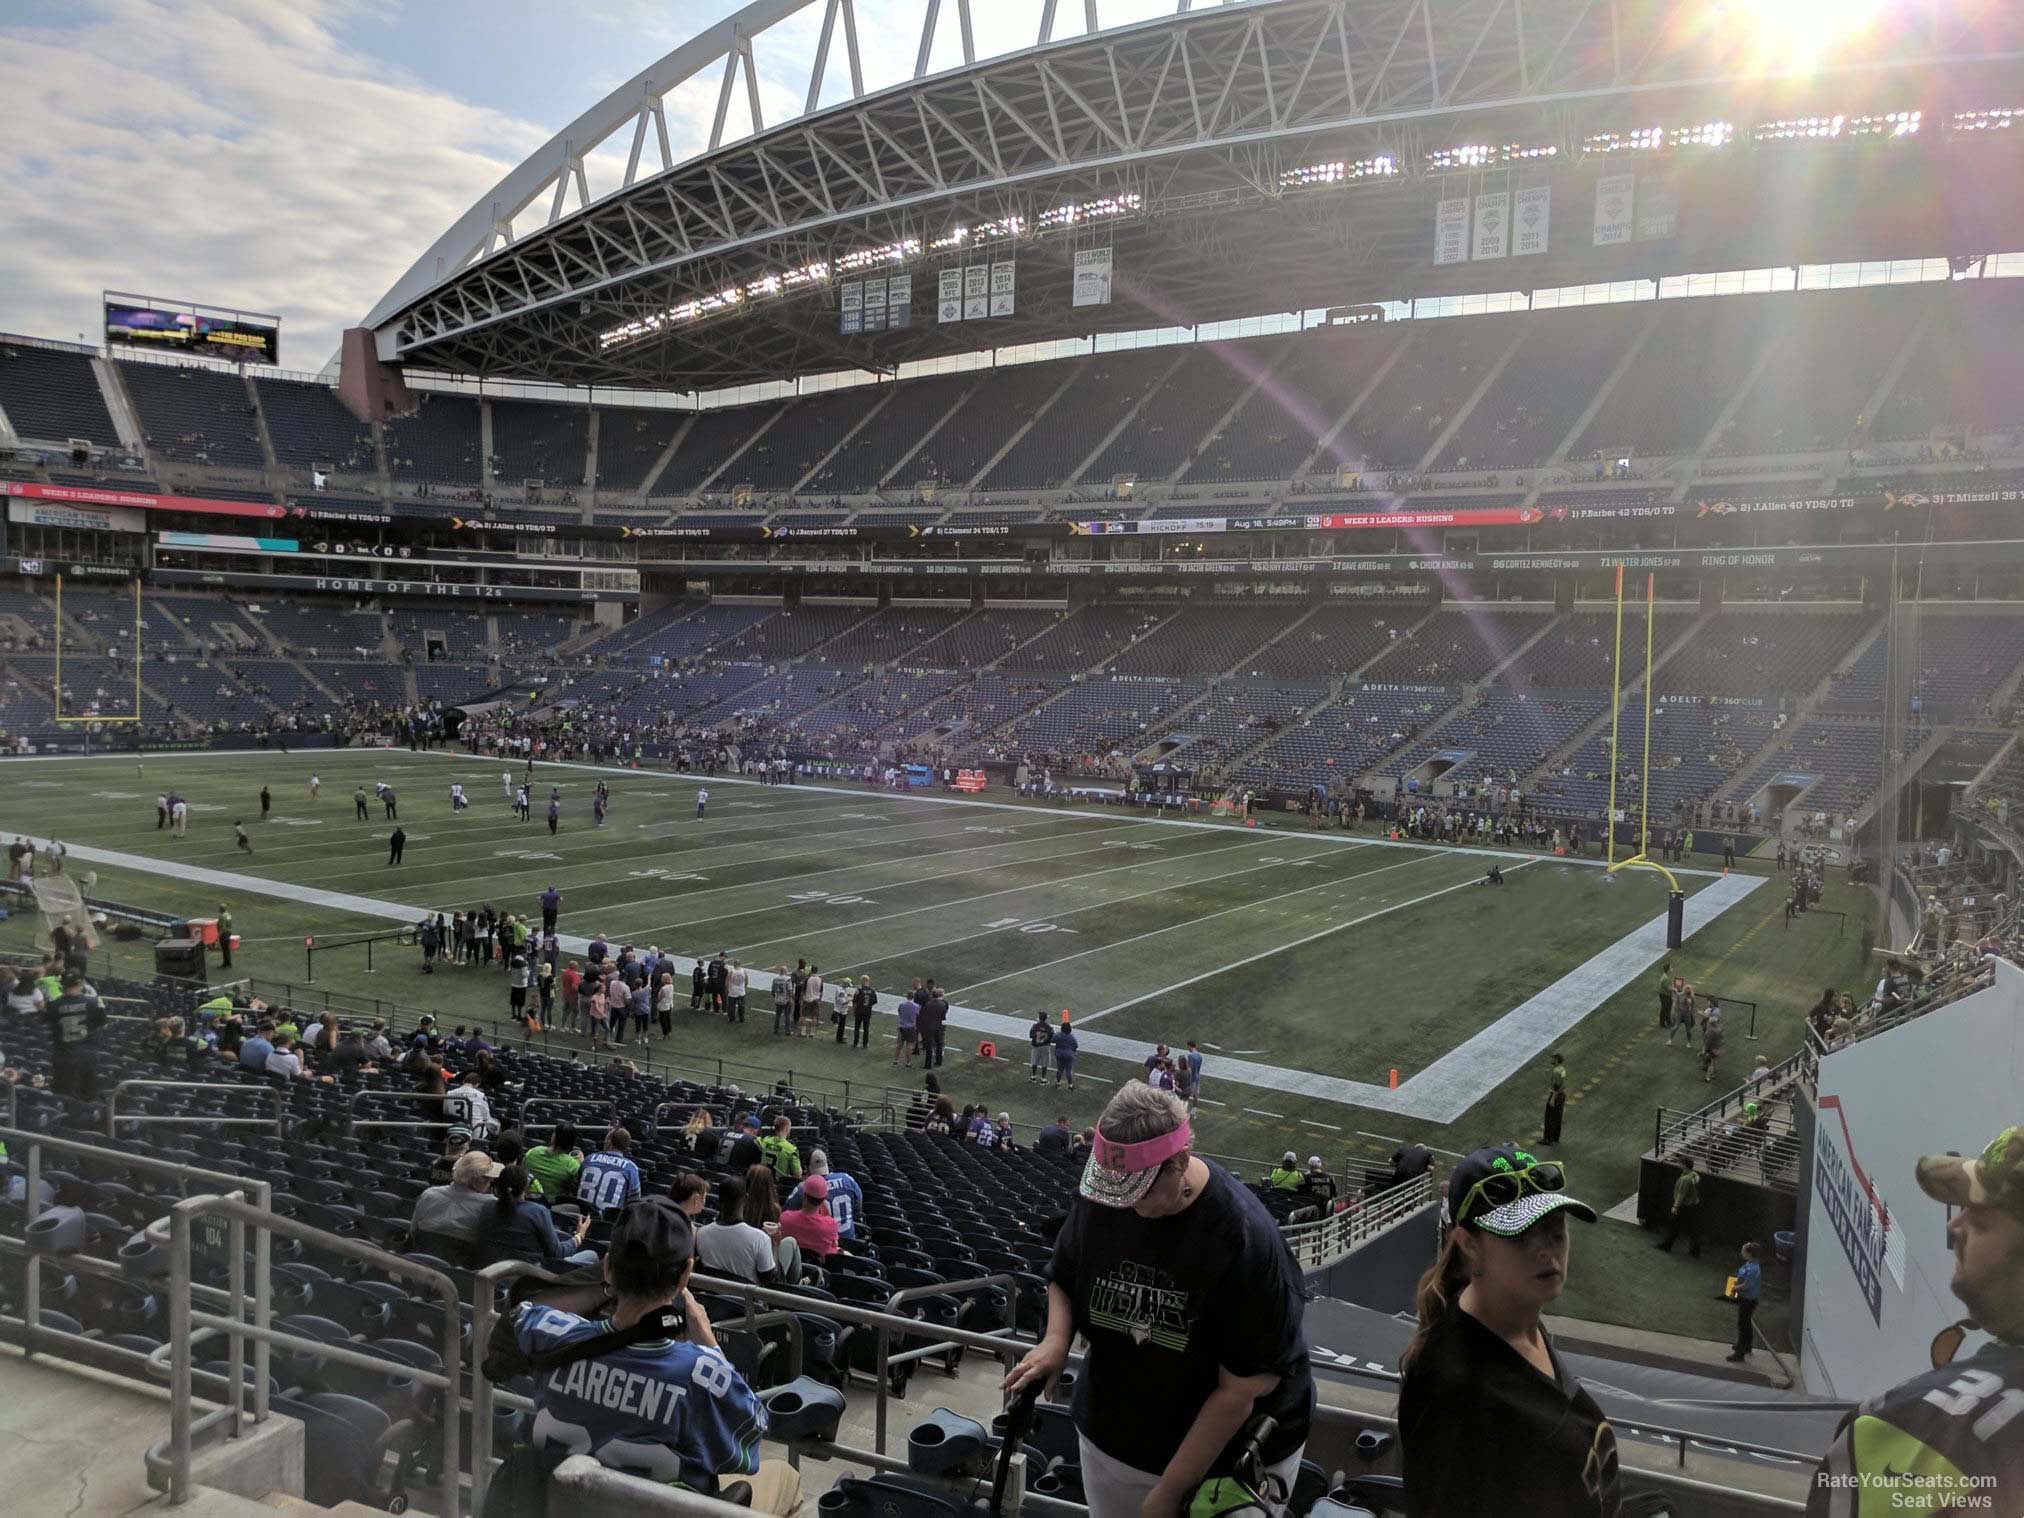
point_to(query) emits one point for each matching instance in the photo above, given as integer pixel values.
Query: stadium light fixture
(2001, 119)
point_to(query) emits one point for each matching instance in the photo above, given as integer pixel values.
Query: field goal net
(59, 906)
(105, 697)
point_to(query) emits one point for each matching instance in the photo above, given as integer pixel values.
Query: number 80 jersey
(664, 1409)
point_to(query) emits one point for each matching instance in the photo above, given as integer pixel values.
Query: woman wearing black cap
(1191, 1304)
(1487, 1408)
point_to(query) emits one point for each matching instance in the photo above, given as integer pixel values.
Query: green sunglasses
(1500, 1188)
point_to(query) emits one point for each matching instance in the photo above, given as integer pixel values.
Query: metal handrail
(182, 1317)
(276, 1122)
(1327, 1240)
(356, 1124)
(606, 1103)
(263, 1193)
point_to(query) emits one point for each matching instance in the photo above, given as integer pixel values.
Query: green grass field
(1296, 955)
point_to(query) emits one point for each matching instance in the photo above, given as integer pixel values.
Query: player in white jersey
(457, 801)
(315, 787)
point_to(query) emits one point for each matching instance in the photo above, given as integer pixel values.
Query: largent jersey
(665, 1409)
(1948, 1442)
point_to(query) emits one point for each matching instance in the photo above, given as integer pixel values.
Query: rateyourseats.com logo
(1890, 1490)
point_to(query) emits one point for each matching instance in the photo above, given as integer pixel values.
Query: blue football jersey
(664, 1409)
(608, 1181)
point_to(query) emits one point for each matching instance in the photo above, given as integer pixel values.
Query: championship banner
(1493, 225)
(900, 302)
(850, 304)
(91, 495)
(1451, 231)
(949, 296)
(976, 292)
(874, 305)
(1658, 210)
(85, 518)
(1092, 277)
(1004, 280)
(1532, 220)
(1614, 196)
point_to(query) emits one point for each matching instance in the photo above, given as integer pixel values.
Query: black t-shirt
(1478, 1423)
(1166, 1301)
(744, 1153)
(73, 1020)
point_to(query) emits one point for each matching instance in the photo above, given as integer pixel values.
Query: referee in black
(396, 842)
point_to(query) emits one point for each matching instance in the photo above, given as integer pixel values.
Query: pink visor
(1119, 1175)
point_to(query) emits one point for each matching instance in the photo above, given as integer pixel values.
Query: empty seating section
(792, 633)
(813, 425)
(1204, 640)
(1696, 748)
(1542, 391)
(914, 516)
(107, 617)
(304, 628)
(975, 710)
(462, 632)
(195, 416)
(1669, 398)
(208, 620)
(629, 444)
(1829, 351)
(1966, 372)
(438, 443)
(452, 683)
(1846, 755)
(1580, 650)
(377, 684)
(1237, 714)
(1440, 369)
(1284, 419)
(1103, 715)
(904, 420)
(886, 698)
(310, 429)
(51, 396)
(23, 708)
(1506, 734)
(283, 684)
(781, 698)
(1762, 653)
(536, 635)
(1104, 390)
(711, 440)
(1336, 640)
(26, 621)
(1177, 417)
(894, 635)
(539, 441)
(683, 631)
(1337, 744)
(1955, 664)
(1461, 643)
(208, 693)
(687, 692)
(984, 423)
(92, 684)
(1085, 636)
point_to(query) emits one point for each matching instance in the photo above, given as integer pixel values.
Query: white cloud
(228, 151)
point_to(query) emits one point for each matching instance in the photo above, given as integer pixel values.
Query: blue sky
(295, 156)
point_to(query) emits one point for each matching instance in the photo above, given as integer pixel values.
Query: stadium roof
(1252, 156)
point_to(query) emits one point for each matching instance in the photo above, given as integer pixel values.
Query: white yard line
(1252, 959)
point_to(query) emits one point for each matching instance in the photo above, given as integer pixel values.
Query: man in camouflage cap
(1951, 1440)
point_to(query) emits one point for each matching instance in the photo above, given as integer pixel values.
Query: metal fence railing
(114, 1117)
(1331, 1239)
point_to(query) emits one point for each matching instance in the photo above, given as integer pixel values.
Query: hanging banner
(1092, 277)
(976, 292)
(874, 305)
(1493, 225)
(1658, 210)
(1003, 279)
(1451, 231)
(1531, 220)
(949, 296)
(850, 306)
(900, 302)
(1614, 194)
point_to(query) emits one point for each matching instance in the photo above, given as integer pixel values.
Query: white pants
(1116, 1490)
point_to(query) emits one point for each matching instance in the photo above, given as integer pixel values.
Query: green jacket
(1285, 1180)
(780, 1156)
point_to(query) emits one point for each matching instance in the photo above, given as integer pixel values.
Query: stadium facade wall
(1874, 1297)
(1383, 1272)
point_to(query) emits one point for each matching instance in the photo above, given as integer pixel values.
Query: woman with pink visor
(1191, 1305)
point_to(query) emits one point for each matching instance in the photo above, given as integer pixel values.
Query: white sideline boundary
(1440, 1093)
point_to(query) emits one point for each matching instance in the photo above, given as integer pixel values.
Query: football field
(1309, 965)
